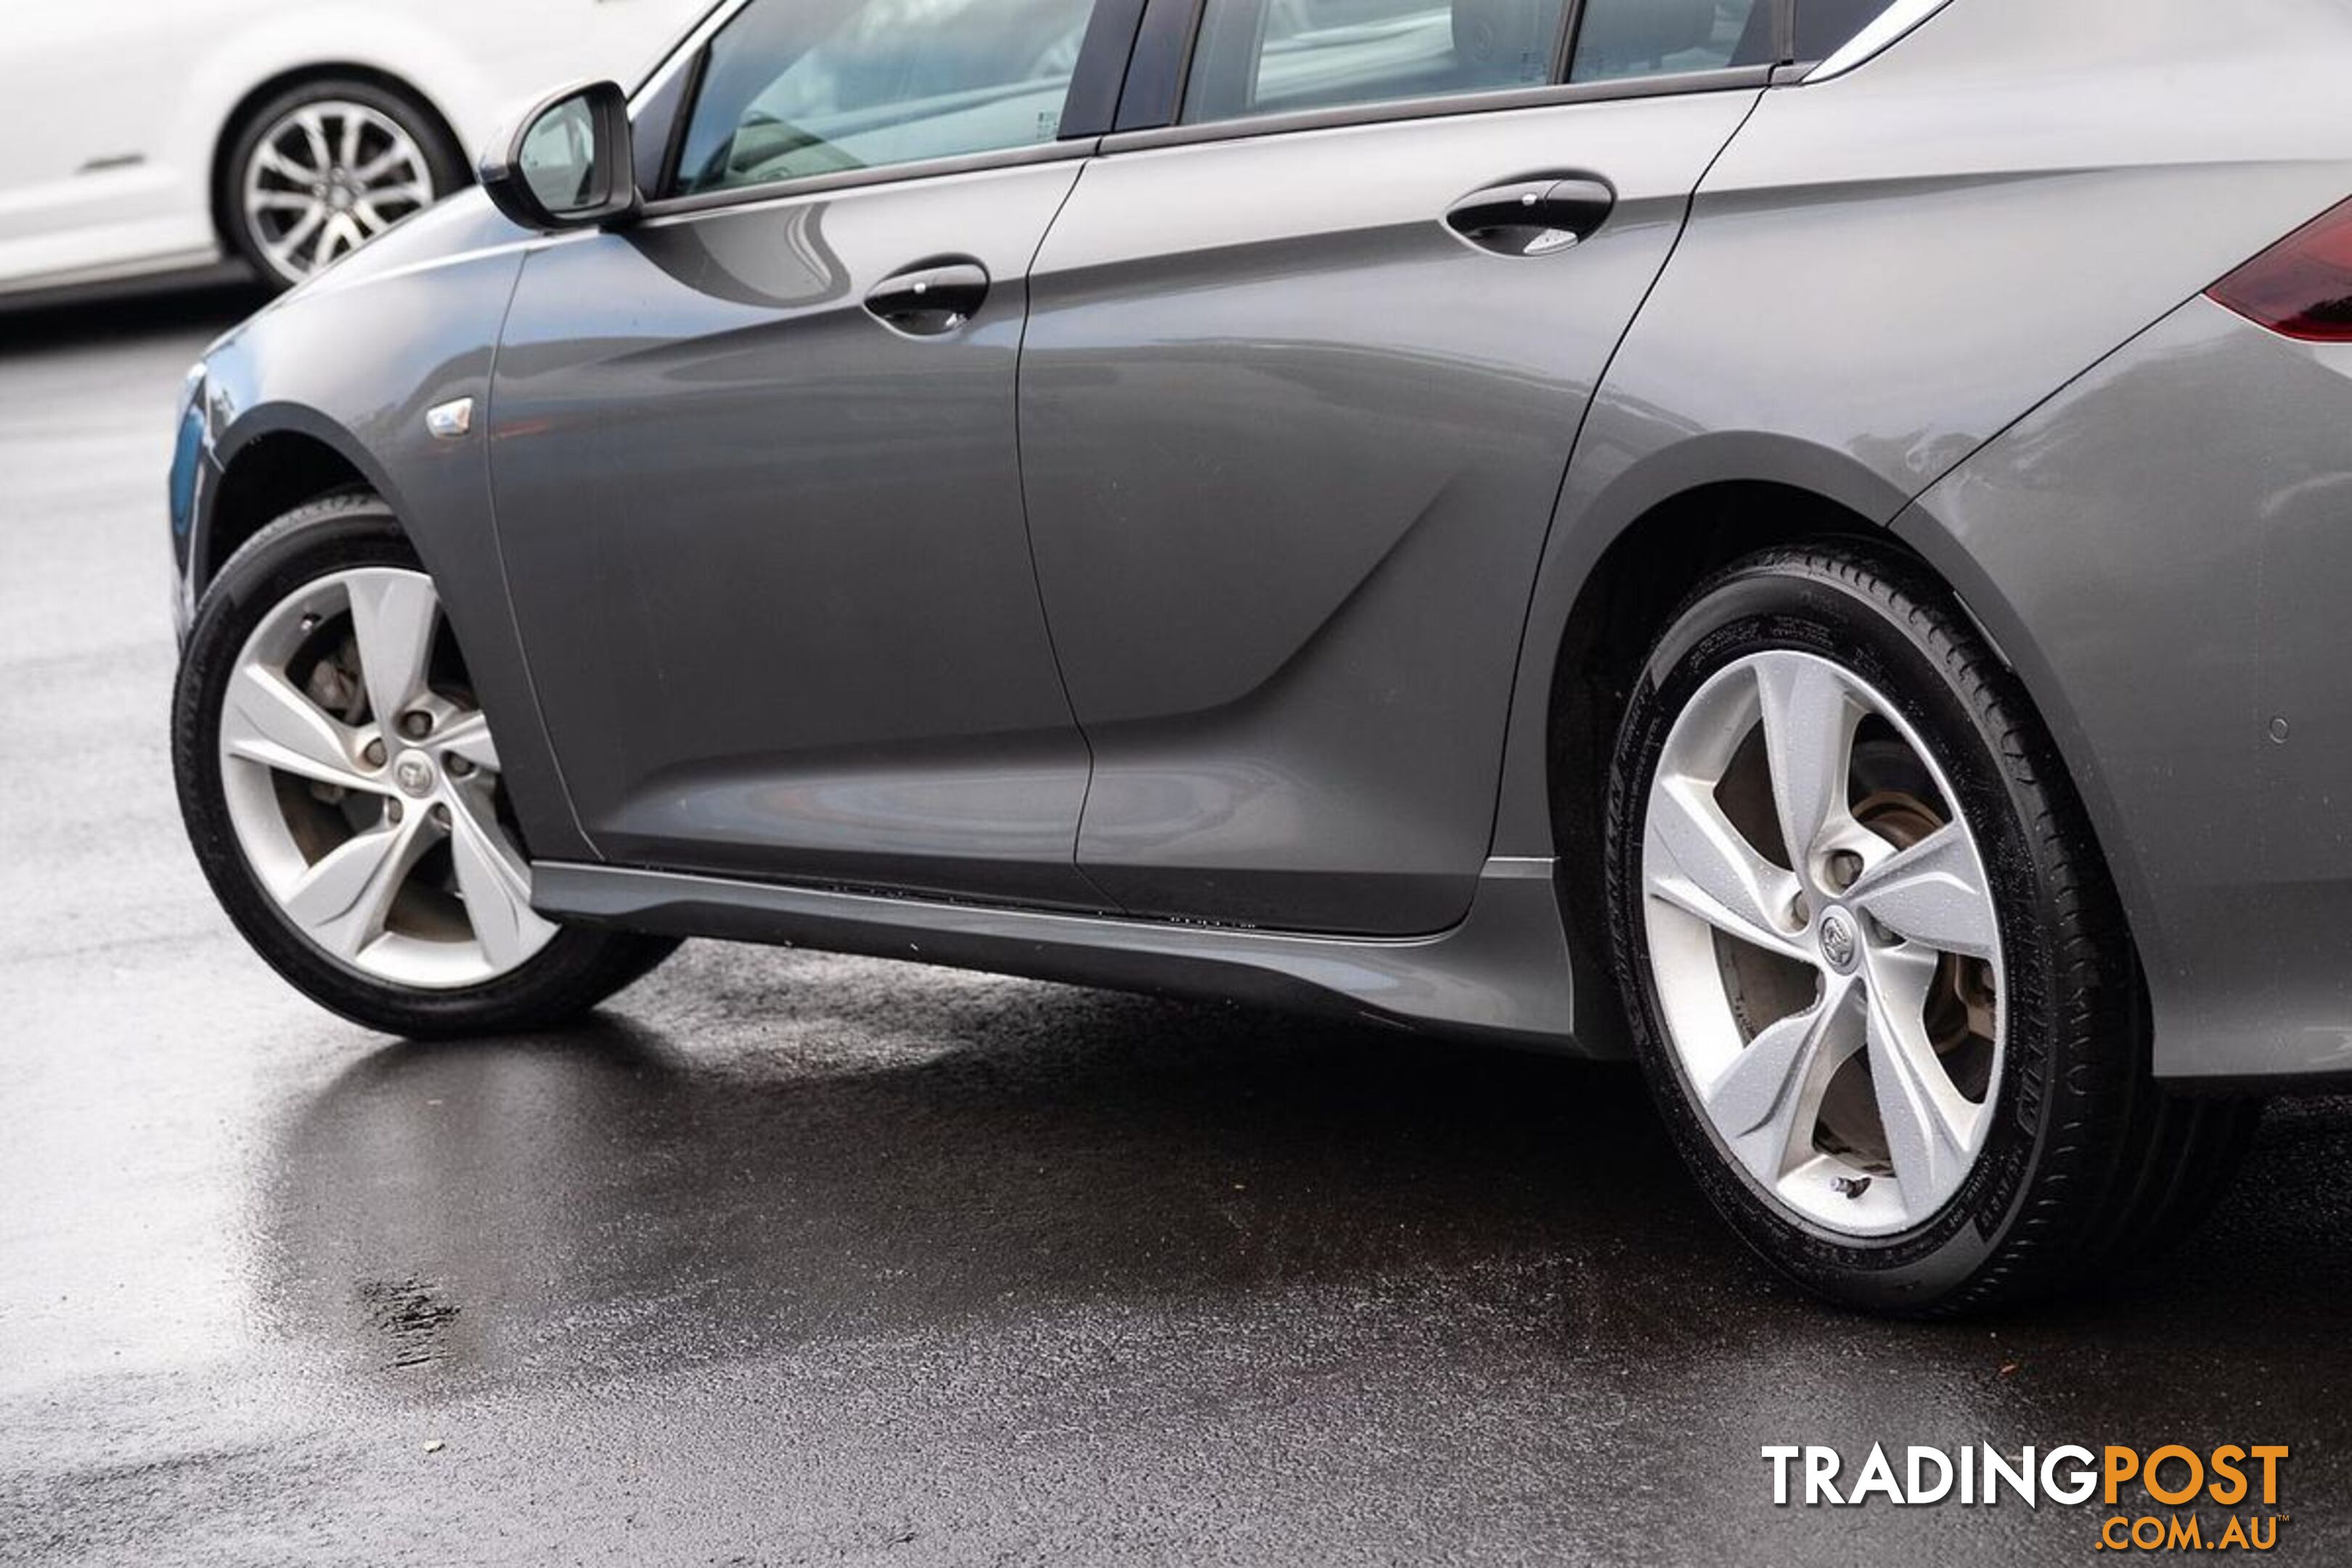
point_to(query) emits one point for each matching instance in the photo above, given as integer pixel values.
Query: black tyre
(1876, 971)
(315, 170)
(342, 790)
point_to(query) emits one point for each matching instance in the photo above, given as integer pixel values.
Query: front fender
(353, 364)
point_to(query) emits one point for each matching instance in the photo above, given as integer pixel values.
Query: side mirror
(567, 163)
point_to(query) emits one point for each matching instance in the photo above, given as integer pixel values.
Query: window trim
(1114, 34)
(1162, 65)
(1571, 21)
(680, 118)
(1728, 78)
(1882, 33)
(687, 54)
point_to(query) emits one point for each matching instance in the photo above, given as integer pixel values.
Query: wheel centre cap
(1840, 949)
(414, 774)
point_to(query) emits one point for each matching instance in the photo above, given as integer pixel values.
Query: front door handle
(930, 297)
(1532, 217)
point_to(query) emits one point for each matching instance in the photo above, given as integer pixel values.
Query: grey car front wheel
(366, 793)
(1874, 966)
(345, 794)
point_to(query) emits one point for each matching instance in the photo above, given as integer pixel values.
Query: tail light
(2303, 285)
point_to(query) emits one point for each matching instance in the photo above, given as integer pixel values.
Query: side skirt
(1505, 973)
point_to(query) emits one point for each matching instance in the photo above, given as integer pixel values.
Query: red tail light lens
(2303, 285)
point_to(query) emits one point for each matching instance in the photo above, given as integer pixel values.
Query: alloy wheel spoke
(313, 127)
(393, 615)
(347, 151)
(412, 192)
(380, 165)
(265, 720)
(468, 736)
(495, 884)
(1930, 1127)
(1932, 893)
(345, 901)
(1808, 719)
(287, 246)
(1768, 1100)
(340, 235)
(1699, 862)
(275, 159)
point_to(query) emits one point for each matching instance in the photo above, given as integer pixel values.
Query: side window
(1650, 37)
(1267, 57)
(794, 88)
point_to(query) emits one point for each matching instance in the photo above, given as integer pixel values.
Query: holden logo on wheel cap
(413, 774)
(1837, 940)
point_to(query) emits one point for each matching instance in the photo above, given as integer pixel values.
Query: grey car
(1804, 542)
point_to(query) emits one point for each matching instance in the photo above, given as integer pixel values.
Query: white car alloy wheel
(324, 178)
(1824, 944)
(364, 791)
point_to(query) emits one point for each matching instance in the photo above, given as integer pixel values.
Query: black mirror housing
(567, 162)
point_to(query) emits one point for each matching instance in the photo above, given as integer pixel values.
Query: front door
(756, 471)
(1302, 375)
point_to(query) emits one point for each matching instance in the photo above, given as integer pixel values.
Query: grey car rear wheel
(1878, 976)
(1824, 942)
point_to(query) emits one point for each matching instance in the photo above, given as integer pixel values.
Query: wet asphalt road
(794, 1259)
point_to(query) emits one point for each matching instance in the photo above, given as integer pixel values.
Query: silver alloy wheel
(325, 178)
(1823, 942)
(381, 841)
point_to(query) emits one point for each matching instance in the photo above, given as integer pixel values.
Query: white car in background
(148, 136)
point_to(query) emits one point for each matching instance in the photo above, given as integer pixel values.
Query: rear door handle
(930, 297)
(1533, 218)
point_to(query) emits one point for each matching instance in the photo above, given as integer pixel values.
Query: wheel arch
(1586, 657)
(1679, 507)
(232, 124)
(1638, 578)
(277, 459)
(1924, 533)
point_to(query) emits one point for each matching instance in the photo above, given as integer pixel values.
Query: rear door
(756, 469)
(1292, 437)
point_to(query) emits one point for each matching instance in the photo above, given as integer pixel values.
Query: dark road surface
(802, 1259)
